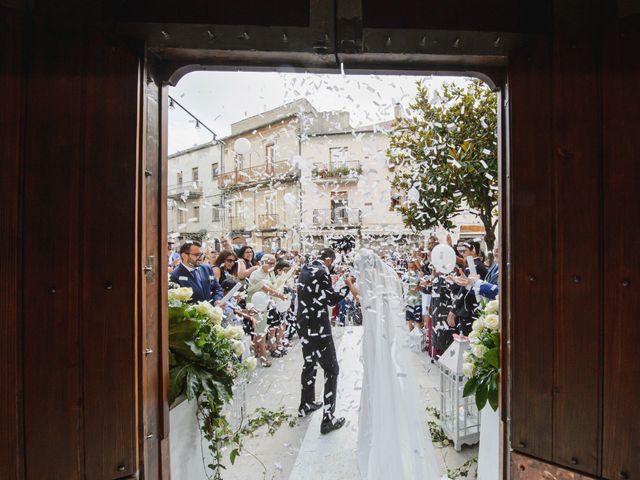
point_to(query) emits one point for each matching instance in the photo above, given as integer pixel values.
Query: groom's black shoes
(308, 408)
(331, 424)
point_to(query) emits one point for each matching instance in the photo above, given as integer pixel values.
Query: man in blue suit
(199, 278)
(487, 288)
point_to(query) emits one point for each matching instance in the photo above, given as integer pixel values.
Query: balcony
(268, 221)
(340, 216)
(337, 172)
(185, 190)
(264, 173)
(235, 223)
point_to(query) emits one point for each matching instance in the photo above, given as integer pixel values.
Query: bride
(393, 441)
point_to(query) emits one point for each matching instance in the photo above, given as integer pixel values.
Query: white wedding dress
(393, 440)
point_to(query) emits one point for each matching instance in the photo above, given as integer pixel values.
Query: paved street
(302, 453)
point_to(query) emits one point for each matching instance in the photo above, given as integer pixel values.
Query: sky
(221, 98)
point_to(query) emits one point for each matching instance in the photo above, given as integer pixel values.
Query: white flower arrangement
(482, 362)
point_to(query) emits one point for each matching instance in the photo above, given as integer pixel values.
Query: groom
(315, 296)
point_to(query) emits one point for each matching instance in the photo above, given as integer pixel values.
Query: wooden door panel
(621, 77)
(11, 116)
(153, 320)
(530, 256)
(577, 279)
(109, 248)
(52, 258)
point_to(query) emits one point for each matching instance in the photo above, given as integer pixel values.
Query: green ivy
(204, 367)
(439, 439)
(463, 470)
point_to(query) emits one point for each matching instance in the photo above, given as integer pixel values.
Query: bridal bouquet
(482, 361)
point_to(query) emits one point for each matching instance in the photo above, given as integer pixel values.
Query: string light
(173, 102)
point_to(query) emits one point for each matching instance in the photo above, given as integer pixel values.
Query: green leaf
(493, 392)
(492, 357)
(482, 393)
(233, 455)
(470, 387)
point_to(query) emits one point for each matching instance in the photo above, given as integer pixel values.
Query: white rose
(477, 326)
(219, 329)
(468, 369)
(238, 347)
(466, 356)
(213, 313)
(473, 335)
(204, 308)
(182, 294)
(478, 350)
(250, 363)
(492, 321)
(234, 332)
(492, 307)
(216, 315)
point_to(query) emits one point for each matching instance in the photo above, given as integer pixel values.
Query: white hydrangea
(182, 294)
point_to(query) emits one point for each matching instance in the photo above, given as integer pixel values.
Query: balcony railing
(337, 171)
(268, 221)
(188, 190)
(340, 216)
(236, 223)
(258, 174)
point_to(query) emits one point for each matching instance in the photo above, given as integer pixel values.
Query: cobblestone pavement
(301, 452)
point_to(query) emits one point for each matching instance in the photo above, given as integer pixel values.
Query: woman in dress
(393, 441)
(263, 280)
(247, 263)
(226, 267)
(275, 317)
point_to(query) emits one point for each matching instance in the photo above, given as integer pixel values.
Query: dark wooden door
(153, 340)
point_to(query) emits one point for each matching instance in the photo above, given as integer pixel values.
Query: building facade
(195, 206)
(261, 188)
(311, 180)
(347, 192)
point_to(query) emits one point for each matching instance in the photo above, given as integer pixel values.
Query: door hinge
(150, 268)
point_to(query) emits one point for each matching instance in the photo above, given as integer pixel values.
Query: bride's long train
(393, 440)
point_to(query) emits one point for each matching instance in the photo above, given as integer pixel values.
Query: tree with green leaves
(444, 153)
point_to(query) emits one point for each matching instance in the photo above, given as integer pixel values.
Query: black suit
(202, 281)
(465, 302)
(315, 296)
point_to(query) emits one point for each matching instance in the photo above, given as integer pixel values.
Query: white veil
(393, 440)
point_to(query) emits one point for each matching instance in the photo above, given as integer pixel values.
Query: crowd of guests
(439, 305)
(443, 305)
(212, 275)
